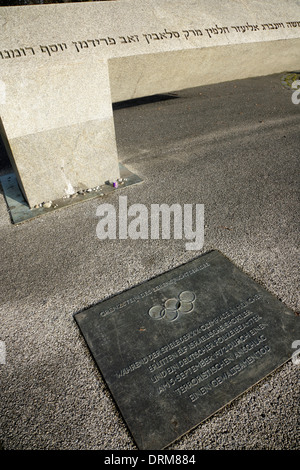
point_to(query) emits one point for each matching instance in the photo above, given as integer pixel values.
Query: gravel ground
(233, 147)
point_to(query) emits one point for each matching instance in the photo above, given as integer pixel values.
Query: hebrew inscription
(52, 48)
(15, 53)
(149, 37)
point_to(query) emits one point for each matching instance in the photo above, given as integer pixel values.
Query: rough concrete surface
(233, 147)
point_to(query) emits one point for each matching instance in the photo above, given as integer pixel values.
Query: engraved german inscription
(201, 356)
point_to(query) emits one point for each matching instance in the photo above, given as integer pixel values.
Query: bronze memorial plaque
(178, 347)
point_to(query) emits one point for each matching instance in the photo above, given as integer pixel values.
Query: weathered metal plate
(21, 212)
(177, 348)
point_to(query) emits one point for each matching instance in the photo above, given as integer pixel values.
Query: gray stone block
(62, 65)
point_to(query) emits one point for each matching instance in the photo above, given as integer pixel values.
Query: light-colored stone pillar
(59, 126)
